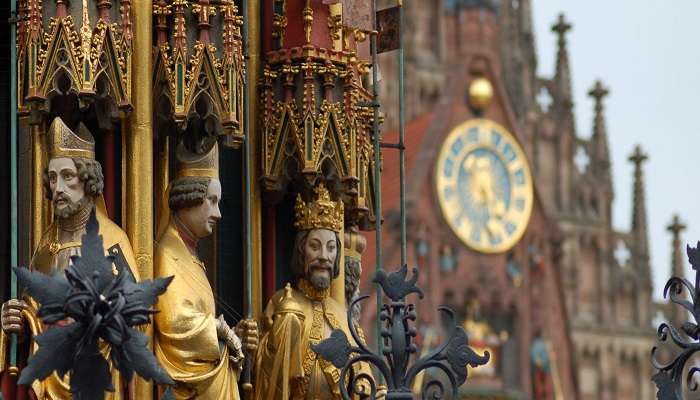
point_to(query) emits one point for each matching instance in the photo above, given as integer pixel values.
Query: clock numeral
(447, 171)
(476, 235)
(510, 228)
(457, 146)
(509, 153)
(519, 177)
(473, 135)
(448, 192)
(496, 138)
(520, 204)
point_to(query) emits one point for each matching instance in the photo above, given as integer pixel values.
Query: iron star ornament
(101, 307)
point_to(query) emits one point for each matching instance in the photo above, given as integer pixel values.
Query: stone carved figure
(200, 352)
(355, 245)
(300, 316)
(541, 368)
(74, 184)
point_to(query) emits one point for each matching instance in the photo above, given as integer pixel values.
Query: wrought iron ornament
(103, 308)
(670, 378)
(452, 357)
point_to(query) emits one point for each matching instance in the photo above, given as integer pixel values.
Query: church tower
(605, 272)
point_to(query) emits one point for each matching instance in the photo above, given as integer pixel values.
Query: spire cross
(598, 92)
(638, 157)
(561, 27)
(676, 227)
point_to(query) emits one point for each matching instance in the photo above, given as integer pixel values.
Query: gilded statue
(74, 184)
(200, 352)
(297, 317)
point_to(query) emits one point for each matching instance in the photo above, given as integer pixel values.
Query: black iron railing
(398, 336)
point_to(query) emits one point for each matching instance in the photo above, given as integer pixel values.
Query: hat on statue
(63, 142)
(191, 164)
(321, 213)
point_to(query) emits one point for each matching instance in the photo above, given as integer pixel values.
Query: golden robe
(186, 343)
(52, 255)
(286, 366)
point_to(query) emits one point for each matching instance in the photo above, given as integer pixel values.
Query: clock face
(484, 186)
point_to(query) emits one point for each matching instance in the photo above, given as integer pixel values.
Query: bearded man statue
(74, 184)
(302, 315)
(200, 352)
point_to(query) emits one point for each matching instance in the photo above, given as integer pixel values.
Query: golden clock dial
(484, 186)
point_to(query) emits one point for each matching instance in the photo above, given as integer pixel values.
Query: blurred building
(566, 308)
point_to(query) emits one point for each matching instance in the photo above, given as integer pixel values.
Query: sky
(647, 54)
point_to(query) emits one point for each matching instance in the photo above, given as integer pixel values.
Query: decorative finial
(599, 92)
(639, 214)
(638, 157)
(561, 27)
(563, 92)
(676, 227)
(600, 141)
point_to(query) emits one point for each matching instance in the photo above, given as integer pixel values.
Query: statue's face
(67, 190)
(201, 219)
(320, 252)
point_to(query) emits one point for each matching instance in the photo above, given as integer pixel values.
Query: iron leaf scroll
(670, 378)
(451, 358)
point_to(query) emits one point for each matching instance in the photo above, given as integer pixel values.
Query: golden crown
(322, 213)
(63, 142)
(198, 165)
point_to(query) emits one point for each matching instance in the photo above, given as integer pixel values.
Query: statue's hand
(11, 317)
(222, 327)
(232, 341)
(247, 330)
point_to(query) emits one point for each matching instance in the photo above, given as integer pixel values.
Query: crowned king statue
(304, 314)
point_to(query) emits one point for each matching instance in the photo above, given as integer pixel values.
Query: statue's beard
(71, 208)
(318, 280)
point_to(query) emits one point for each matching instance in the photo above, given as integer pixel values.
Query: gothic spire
(676, 227)
(528, 36)
(562, 76)
(639, 212)
(525, 13)
(599, 140)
